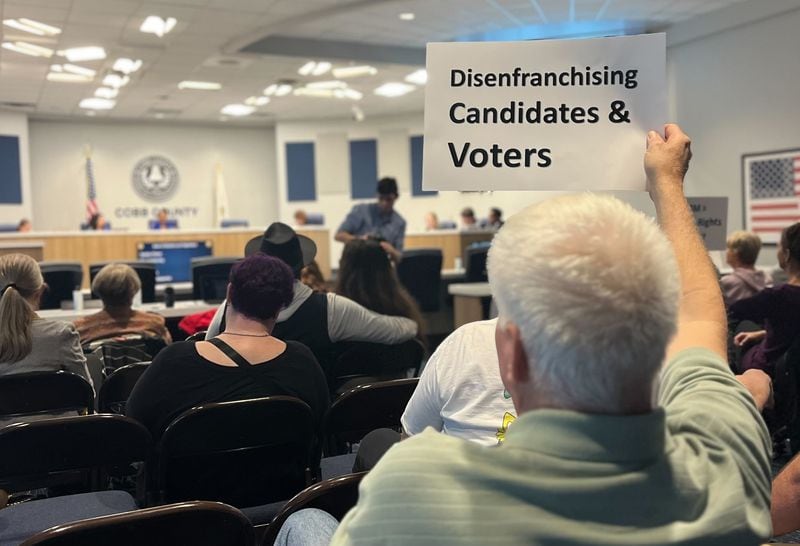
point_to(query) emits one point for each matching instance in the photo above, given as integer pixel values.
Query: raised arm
(701, 319)
(349, 321)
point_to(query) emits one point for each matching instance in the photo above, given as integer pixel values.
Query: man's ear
(511, 356)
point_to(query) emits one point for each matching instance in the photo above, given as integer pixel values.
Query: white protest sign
(542, 115)
(711, 216)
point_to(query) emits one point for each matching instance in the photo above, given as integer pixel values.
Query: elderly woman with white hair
(117, 284)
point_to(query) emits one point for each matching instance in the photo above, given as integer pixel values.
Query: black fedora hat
(281, 241)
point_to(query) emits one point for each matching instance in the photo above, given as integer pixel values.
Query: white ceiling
(210, 30)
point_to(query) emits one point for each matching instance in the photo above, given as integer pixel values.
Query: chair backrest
(475, 262)
(145, 270)
(783, 420)
(199, 523)
(420, 271)
(245, 452)
(44, 392)
(335, 496)
(366, 408)
(61, 279)
(210, 277)
(374, 360)
(116, 389)
(315, 219)
(36, 453)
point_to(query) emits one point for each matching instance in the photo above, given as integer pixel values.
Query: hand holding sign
(542, 115)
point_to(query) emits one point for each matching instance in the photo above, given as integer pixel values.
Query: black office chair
(115, 390)
(420, 271)
(357, 363)
(44, 453)
(197, 523)
(335, 496)
(475, 262)
(145, 270)
(244, 453)
(61, 279)
(44, 392)
(363, 409)
(210, 277)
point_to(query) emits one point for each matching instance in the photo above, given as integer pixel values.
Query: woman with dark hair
(366, 276)
(245, 361)
(776, 309)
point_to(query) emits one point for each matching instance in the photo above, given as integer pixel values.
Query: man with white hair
(631, 428)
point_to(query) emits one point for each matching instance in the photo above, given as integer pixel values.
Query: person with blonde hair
(29, 343)
(117, 284)
(745, 281)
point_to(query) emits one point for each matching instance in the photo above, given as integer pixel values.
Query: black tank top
(309, 326)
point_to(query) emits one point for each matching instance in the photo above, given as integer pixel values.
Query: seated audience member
(29, 343)
(300, 217)
(746, 280)
(116, 285)
(312, 277)
(460, 392)
(468, 220)
(24, 226)
(97, 222)
(379, 221)
(431, 221)
(367, 276)
(243, 362)
(776, 309)
(495, 218)
(594, 457)
(315, 319)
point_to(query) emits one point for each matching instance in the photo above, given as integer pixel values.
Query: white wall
(737, 92)
(16, 124)
(58, 174)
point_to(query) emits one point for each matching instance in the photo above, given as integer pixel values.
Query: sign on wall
(155, 178)
(542, 115)
(711, 217)
(771, 183)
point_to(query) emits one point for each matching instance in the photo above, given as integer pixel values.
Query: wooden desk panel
(91, 247)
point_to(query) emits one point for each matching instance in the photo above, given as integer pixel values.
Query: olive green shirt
(694, 471)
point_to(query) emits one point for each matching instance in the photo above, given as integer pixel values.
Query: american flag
(91, 197)
(774, 195)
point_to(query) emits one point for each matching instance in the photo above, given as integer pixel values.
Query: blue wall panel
(10, 172)
(363, 168)
(302, 185)
(416, 169)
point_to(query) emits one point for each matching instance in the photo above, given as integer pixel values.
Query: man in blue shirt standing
(377, 221)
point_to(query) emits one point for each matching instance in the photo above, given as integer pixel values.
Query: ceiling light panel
(394, 89)
(314, 68)
(106, 93)
(65, 77)
(407, 16)
(32, 27)
(116, 80)
(96, 103)
(257, 101)
(86, 53)
(310, 92)
(159, 26)
(418, 77)
(28, 49)
(354, 71)
(127, 66)
(237, 110)
(75, 69)
(333, 84)
(199, 86)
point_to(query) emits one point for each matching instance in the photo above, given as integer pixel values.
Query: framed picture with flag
(771, 186)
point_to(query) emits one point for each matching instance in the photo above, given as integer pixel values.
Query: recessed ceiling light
(418, 77)
(278, 89)
(358, 113)
(313, 68)
(407, 16)
(352, 94)
(237, 110)
(199, 86)
(32, 27)
(257, 101)
(28, 49)
(311, 92)
(333, 84)
(394, 89)
(86, 53)
(106, 92)
(127, 66)
(66, 77)
(159, 26)
(354, 71)
(75, 69)
(97, 103)
(116, 80)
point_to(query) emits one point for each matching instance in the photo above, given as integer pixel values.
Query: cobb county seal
(155, 178)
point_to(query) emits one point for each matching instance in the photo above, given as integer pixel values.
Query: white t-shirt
(460, 392)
